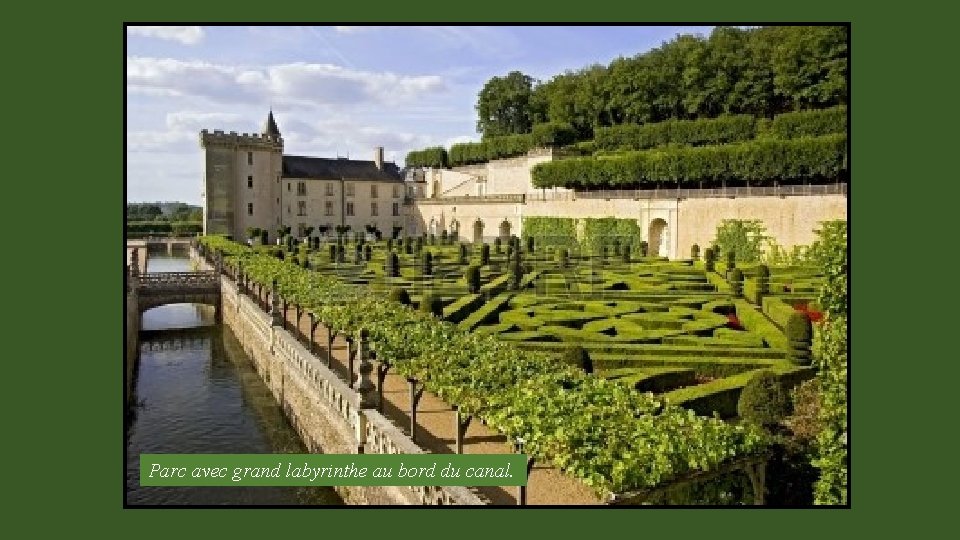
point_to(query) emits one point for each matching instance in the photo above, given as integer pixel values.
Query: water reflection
(198, 393)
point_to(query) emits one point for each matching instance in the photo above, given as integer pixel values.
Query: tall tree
(504, 105)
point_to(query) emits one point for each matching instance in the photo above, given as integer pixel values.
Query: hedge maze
(693, 336)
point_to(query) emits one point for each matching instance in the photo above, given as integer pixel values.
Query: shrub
(578, 357)
(418, 246)
(736, 281)
(473, 279)
(563, 257)
(516, 275)
(341, 253)
(530, 244)
(443, 237)
(553, 134)
(463, 253)
(497, 244)
(390, 244)
(333, 253)
(764, 400)
(408, 246)
(393, 265)
(799, 332)
(435, 157)
(708, 260)
(431, 303)
(760, 162)
(695, 252)
(399, 294)
(433, 239)
(704, 131)
(264, 237)
(427, 264)
(763, 280)
(484, 254)
(643, 248)
(626, 253)
(367, 252)
(731, 261)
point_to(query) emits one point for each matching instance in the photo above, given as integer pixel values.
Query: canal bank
(325, 411)
(196, 391)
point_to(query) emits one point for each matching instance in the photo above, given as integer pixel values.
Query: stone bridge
(161, 288)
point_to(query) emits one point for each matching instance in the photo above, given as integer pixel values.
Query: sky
(334, 90)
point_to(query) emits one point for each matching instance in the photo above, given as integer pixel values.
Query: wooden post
(462, 422)
(522, 490)
(313, 328)
(757, 472)
(331, 335)
(351, 351)
(296, 331)
(382, 368)
(415, 396)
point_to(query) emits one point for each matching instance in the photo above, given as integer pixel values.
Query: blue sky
(334, 90)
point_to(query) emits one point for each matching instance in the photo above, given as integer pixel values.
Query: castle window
(349, 190)
(373, 191)
(328, 208)
(396, 209)
(249, 158)
(288, 187)
(250, 209)
(396, 192)
(301, 188)
(373, 209)
(330, 188)
(349, 208)
(250, 182)
(288, 208)
(301, 208)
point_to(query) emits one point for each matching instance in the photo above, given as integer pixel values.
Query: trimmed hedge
(764, 400)
(761, 162)
(435, 157)
(486, 314)
(809, 123)
(720, 130)
(722, 396)
(600, 232)
(462, 308)
(755, 322)
(551, 231)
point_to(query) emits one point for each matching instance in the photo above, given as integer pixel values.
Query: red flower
(733, 322)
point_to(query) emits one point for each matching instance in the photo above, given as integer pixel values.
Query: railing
(694, 193)
(178, 279)
(503, 198)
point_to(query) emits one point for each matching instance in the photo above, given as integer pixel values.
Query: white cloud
(194, 121)
(290, 84)
(187, 35)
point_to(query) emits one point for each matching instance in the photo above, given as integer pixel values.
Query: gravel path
(436, 432)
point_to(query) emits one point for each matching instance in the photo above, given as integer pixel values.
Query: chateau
(249, 182)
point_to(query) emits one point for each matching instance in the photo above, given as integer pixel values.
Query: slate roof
(270, 127)
(335, 169)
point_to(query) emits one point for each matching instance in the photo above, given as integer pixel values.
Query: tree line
(761, 72)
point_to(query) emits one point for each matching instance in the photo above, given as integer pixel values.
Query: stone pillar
(275, 317)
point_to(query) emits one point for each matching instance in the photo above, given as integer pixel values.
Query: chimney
(378, 157)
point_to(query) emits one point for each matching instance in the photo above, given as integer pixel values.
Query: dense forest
(761, 72)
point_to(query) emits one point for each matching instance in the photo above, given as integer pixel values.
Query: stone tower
(242, 180)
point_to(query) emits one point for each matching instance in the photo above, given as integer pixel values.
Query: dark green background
(63, 78)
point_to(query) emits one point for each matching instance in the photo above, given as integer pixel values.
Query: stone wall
(322, 408)
(790, 220)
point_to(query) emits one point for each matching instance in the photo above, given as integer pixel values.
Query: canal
(197, 392)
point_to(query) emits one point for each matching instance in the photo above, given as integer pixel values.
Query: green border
(65, 67)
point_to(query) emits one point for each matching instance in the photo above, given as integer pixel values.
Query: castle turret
(270, 127)
(242, 180)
